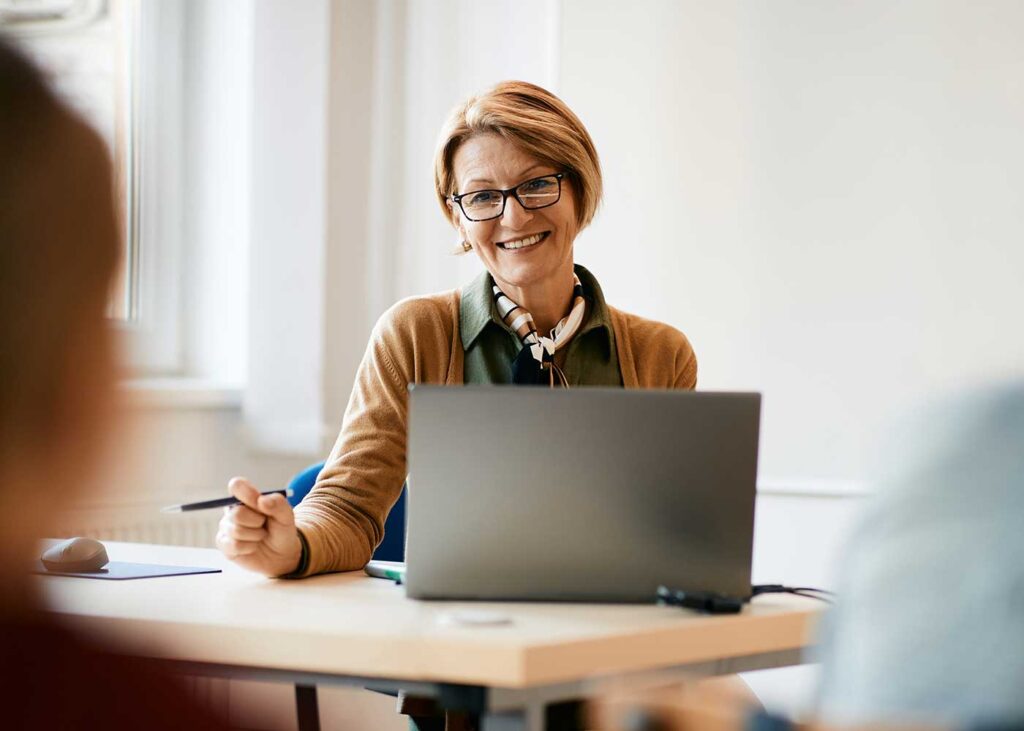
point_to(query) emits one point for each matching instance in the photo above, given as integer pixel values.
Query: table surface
(352, 625)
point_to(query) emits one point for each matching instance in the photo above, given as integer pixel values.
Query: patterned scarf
(535, 364)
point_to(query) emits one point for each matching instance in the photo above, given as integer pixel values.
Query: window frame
(151, 334)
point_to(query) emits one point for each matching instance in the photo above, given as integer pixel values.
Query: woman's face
(487, 161)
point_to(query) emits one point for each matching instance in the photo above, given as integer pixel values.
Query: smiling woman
(517, 175)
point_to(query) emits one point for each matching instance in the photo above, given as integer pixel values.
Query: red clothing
(52, 679)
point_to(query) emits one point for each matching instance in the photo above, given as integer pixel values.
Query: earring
(462, 247)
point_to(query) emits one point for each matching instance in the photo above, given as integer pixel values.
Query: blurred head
(58, 253)
(518, 135)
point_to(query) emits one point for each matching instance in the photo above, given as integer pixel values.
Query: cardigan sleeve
(685, 366)
(342, 518)
(653, 354)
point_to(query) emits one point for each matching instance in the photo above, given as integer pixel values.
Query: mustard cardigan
(417, 341)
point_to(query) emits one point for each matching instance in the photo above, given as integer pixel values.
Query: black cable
(712, 603)
(816, 591)
(810, 592)
(812, 596)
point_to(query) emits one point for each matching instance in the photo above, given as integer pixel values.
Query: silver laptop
(589, 494)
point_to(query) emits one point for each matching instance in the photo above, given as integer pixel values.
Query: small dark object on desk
(702, 601)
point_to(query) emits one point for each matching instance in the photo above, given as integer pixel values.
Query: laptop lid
(588, 494)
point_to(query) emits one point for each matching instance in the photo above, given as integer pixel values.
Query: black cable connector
(703, 601)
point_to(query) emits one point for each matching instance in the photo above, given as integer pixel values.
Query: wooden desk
(351, 629)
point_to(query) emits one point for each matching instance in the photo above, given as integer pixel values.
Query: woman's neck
(548, 302)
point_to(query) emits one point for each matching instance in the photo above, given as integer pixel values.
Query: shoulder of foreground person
(660, 354)
(56, 679)
(936, 555)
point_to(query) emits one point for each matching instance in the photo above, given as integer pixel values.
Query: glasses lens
(482, 204)
(539, 192)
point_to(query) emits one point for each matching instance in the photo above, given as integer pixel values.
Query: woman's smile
(522, 243)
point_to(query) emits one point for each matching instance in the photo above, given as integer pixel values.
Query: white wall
(824, 196)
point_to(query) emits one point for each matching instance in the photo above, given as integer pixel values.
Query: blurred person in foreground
(928, 631)
(59, 249)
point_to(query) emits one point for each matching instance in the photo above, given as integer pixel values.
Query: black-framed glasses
(483, 205)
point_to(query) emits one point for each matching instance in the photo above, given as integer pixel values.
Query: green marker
(394, 570)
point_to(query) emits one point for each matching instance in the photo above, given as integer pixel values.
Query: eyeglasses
(483, 205)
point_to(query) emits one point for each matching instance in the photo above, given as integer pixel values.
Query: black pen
(221, 502)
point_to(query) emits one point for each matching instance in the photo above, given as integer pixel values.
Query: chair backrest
(392, 548)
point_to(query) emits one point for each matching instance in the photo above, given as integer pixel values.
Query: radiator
(142, 525)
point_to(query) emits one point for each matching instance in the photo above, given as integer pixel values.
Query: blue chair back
(392, 548)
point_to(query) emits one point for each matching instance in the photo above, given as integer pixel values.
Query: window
(85, 49)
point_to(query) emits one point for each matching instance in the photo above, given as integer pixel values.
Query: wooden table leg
(306, 706)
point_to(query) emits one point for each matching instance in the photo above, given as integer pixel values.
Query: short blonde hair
(537, 122)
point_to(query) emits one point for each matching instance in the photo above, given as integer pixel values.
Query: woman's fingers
(255, 506)
(245, 492)
(233, 548)
(246, 516)
(241, 533)
(281, 535)
(276, 508)
(260, 533)
(239, 526)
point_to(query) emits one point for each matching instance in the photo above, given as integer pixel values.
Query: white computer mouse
(75, 555)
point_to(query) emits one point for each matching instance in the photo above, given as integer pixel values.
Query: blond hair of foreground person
(59, 249)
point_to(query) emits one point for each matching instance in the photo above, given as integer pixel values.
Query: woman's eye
(537, 186)
(483, 198)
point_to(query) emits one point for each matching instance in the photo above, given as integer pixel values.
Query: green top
(491, 346)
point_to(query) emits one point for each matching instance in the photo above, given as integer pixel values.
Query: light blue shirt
(930, 624)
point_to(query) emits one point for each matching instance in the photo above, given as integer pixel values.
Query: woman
(59, 250)
(517, 175)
